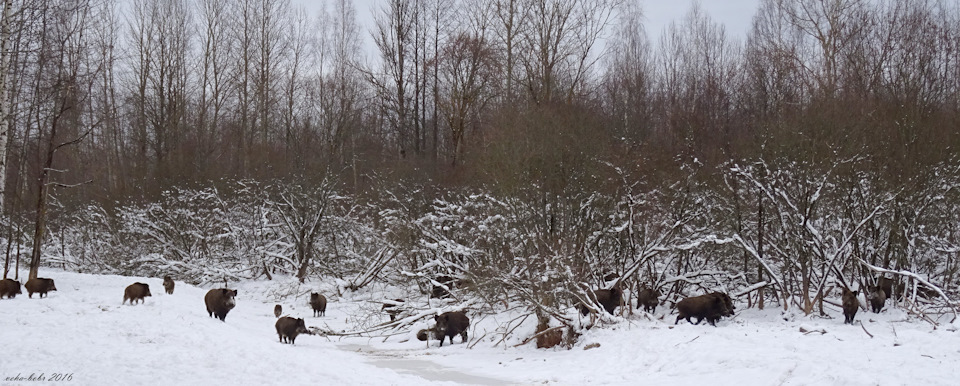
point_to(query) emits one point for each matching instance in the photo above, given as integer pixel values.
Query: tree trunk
(4, 98)
(41, 213)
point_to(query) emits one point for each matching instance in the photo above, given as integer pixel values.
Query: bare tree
(59, 92)
(161, 36)
(559, 45)
(510, 19)
(393, 37)
(217, 45)
(468, 69)
(6, 18)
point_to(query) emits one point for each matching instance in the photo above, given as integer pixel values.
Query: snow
(83, 330)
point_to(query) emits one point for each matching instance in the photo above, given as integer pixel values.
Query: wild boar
(709, 306)
(877, 299)
(168, 284)
(136, 291)
(277, 310)
(608, 298)
(40, 285)
(9, 288)
(450, 324)
(850, 305)
(392, 308)
(443, 290)
(892, 287)
(288, 328)
(319, 304)
(220, 301)
(648, 299)
(422, 335)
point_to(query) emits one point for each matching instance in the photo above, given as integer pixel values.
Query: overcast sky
(734, 14)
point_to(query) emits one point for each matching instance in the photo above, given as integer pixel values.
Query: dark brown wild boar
(392, 308)
(277, 310)
(648, 299)
(709, 306)
(608, 298)
(168, 284)
(892, 288)
(40, 285)
(450, 324)
(877, 299)
(850, 305)
(288, 328)
(220, 301)
(136, 291)
(443, 290)
(9, 288)
(319, 304)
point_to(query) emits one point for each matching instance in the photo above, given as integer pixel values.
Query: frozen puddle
(424, 369)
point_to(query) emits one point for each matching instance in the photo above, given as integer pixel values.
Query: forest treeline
(530, 146)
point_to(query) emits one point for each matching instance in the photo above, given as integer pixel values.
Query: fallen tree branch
(865, 329)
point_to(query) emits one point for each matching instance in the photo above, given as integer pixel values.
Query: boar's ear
(436, 318)
(855, 293)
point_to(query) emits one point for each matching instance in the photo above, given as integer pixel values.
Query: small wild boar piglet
(168, 284)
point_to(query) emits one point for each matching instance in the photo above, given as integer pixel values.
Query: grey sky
(734, 14)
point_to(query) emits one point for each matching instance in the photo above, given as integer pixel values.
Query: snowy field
(84, 335)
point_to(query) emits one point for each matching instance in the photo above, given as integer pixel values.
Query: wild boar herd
(219, 301)
(711, 306)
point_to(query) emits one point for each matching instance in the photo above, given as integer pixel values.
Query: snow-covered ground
(83, 331)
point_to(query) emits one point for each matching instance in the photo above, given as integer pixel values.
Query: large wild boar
(648, 299)
(710, 307)
(9, 288)
(450, 324)
(392, 308)
(288, 328)
(608, 298)
(136, 291)
(220, 301)
(850, 305)
(877, 299)
(277, 310)
(319, 304)
(168, 284)
(40, 285)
